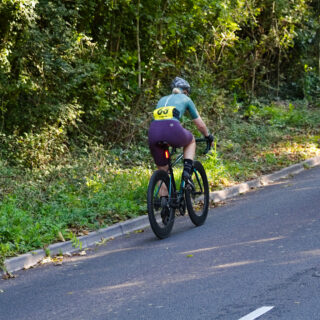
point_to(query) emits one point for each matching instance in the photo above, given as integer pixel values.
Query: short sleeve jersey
(181, 102)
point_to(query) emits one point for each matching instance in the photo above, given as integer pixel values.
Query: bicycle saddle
(163, 144)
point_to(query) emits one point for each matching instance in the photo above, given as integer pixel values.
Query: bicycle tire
(197, 195)
(161, 218)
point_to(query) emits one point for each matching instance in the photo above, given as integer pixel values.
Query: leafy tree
(73, 67)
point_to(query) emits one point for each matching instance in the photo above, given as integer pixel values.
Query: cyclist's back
(181, 102)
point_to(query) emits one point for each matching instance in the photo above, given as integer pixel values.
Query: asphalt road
(261, 249)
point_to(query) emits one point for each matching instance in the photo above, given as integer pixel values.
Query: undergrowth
(92, 188)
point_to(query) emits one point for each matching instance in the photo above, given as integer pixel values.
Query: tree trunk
(318, 31)
(138, 45)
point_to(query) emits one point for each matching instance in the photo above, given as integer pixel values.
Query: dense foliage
(78, 81)
(74, 68)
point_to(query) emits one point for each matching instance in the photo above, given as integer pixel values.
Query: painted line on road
(257, 313)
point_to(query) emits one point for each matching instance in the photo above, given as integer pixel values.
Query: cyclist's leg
(164, 168)
(181, 137)
(154, 136)
(173, 133)
(189, 150)
(188, 154)
(163, 192)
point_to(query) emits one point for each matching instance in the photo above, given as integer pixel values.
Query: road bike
(163, 197)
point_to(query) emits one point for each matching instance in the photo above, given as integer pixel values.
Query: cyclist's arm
(201, 126)
(197, 119)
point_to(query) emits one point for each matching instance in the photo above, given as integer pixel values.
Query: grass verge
(97, 187)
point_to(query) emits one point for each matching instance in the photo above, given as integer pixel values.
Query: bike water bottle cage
(166, 113)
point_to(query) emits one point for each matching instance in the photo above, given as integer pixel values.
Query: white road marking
(257, 313)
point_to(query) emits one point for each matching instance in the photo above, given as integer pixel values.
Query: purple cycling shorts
(170, 131)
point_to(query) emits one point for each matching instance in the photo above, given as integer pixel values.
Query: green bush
(20, 232)
(35, 150)
(289, 116)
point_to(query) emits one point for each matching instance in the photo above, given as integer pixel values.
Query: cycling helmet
(180, 83)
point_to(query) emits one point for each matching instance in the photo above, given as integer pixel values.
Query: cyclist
(166, 126)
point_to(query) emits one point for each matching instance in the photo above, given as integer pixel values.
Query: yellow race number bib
(163, 113)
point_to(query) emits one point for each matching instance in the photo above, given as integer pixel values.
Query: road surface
(257, 256)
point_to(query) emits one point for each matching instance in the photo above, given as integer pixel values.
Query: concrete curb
(30, 259)
(264, 180)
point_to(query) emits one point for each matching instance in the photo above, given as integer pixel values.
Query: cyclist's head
(181, 84)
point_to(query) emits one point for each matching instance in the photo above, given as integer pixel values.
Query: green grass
(95, 188)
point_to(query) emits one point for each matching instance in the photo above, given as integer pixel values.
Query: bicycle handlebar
(174, 149)
(208, 144)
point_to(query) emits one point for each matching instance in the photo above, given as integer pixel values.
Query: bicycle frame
(175, 200)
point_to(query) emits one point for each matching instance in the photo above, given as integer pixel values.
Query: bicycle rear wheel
(161, 216)
(197, 195)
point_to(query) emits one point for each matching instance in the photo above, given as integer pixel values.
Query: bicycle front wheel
(197, 195)
(161, 216)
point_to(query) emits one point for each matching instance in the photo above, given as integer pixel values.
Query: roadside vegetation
(79, 80)
(94, 187)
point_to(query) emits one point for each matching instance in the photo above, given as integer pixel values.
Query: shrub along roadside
(94, 188)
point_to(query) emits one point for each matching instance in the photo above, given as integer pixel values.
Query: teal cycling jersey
(181, 102)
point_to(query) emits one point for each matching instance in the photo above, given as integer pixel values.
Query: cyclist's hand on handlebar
(210, 139)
